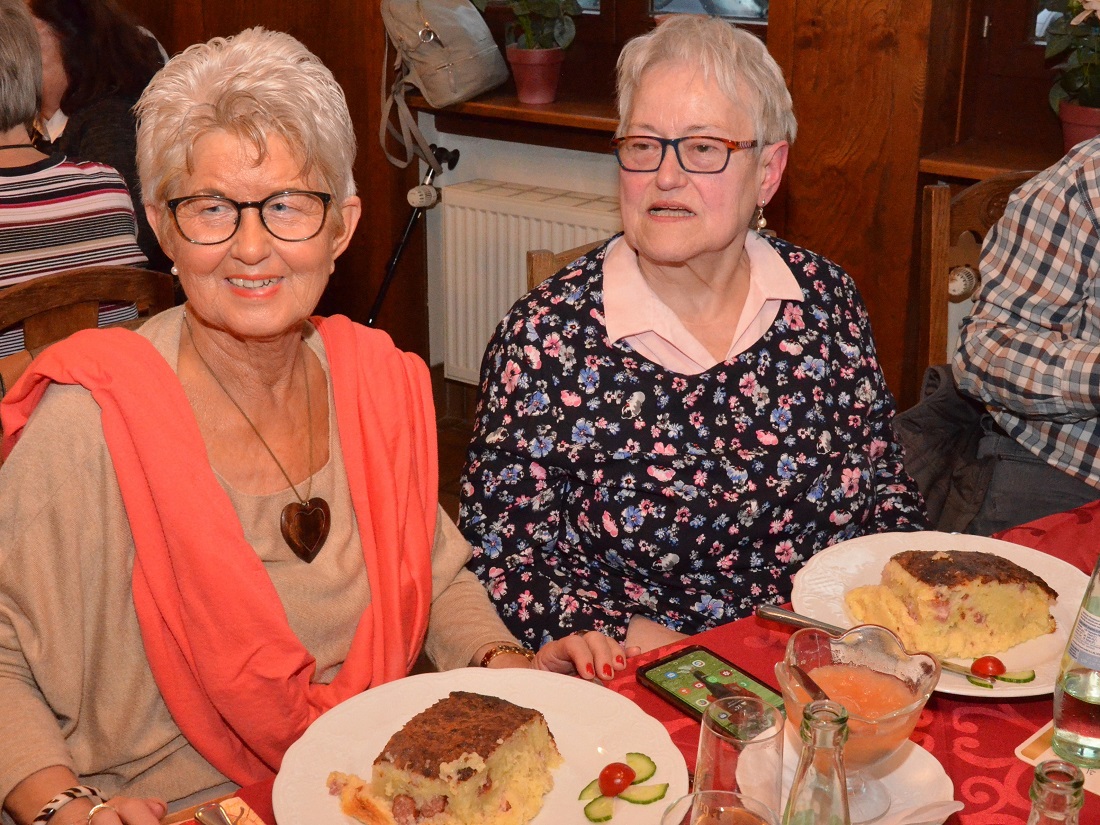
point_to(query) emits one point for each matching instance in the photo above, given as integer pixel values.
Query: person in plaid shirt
(1030, 350)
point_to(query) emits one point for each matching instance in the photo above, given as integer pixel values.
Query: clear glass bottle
(1077, 691)
(818, 793)
(1057, 793)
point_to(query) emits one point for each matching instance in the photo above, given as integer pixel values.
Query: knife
(778, 614)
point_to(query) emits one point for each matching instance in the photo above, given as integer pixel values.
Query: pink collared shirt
(634, 313)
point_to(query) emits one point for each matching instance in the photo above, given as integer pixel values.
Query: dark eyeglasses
(288, 216)
(698, 154)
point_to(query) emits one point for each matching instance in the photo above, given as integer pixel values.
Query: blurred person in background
(56, 213)
(96, 61)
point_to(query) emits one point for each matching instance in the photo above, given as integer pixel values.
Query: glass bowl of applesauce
(883, 688)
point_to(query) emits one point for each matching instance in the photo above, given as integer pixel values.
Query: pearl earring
(175, 271)
(759, 223)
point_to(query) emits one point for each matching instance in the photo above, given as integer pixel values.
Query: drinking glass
(741, 749)
(718, 808)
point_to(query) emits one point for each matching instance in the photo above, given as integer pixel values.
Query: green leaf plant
(539, 24)
(1076, 34)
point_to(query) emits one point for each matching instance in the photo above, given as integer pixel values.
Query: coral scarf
(236, 679)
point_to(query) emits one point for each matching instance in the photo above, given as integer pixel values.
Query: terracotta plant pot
(1078, 123)
(537, 72)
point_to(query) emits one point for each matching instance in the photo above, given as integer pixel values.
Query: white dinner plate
(591, 724)
(819, 590)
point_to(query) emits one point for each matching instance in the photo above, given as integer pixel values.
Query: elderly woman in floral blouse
(670, 426)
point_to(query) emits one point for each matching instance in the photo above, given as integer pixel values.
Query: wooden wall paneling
(857, 72)
(1011, 78)
(349, 37)
(946, 85)
(187, 24)
(945, 105)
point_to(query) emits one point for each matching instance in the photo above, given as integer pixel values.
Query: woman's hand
(28, 796)
(125, 810)
(589, 654)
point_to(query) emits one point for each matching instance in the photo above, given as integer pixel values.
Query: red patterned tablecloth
(973, 738)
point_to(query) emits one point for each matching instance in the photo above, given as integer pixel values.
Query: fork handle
(778, 614)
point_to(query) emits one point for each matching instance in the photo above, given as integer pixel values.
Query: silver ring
(102, 806)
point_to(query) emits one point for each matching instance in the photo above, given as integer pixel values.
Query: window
(612, 22)
(748, 10)
(1046, 12)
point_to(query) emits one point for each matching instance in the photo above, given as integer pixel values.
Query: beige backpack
(445, 50)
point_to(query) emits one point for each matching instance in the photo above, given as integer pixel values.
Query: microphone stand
(420, 198)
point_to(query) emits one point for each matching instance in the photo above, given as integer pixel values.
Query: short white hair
(738, 61)
(254, 85)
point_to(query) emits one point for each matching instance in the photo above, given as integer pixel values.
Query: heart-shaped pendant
(305, 527)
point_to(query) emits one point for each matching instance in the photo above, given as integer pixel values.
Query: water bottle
(819, 795)
(1056, 793)
(1077, 692)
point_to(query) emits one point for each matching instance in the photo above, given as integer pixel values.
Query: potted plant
(534, 42)
(1075, 96)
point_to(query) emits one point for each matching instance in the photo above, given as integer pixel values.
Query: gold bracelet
(506, 647)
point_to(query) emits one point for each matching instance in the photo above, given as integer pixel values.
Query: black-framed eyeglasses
(289, 216)
(698, 154)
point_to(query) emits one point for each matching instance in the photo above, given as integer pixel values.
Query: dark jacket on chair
(940, 436)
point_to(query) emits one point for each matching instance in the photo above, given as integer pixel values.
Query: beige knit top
(75, 686)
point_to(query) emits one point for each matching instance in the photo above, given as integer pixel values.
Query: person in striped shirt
(55, 214)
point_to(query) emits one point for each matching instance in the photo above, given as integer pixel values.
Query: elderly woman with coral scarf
(219, 527)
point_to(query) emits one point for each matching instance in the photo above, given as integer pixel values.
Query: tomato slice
(987, 666)
(616, 778)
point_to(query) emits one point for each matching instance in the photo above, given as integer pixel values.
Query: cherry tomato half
(987, 666)
(616, 778)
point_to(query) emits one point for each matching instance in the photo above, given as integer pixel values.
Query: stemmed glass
(718, 808)
(882, 687)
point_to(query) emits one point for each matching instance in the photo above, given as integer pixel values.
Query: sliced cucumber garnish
(599, 809)
(1017, 677)
(591, 790)
(644, 794)
(643, 767)
(1014, 677)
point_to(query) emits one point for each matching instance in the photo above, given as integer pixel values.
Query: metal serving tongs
(778, 614)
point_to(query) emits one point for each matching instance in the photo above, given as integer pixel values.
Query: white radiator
(488, 226)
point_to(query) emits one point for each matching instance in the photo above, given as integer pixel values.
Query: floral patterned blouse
(599, 484)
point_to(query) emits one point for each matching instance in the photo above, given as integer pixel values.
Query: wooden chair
(940, 433)
(542, 263)
(952, 230)
(54, 306)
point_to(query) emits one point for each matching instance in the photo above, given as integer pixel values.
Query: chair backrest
(542, 263)
(52, 307)
(952, 230)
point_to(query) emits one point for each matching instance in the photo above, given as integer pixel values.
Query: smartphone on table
(692, 678)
